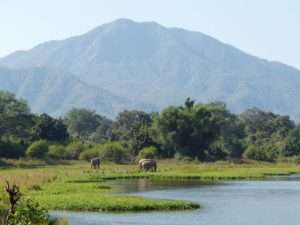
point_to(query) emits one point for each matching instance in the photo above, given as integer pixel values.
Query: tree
(133, 126)
(56, 152)
(51, 129)
(230, 141)
(74, 149)
(188, 129)
(86, 124)
(15, 117)
(114, 151)
(103, 132)
(293, 142)
(266, 123)
(12, 149)
(267, 135)
(38, 149)
(148, 153)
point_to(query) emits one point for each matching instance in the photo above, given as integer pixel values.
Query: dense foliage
(205, 132)
(29, 213)
(85, 124)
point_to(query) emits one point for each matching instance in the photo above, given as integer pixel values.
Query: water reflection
(145, 185)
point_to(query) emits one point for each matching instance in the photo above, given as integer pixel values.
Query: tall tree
(15, 117)
(133, 126)
(188, 129)
(51, 129)
(87, 124)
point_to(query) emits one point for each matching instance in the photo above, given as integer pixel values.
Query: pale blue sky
(266, 28)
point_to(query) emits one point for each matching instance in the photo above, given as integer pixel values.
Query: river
(271, 202)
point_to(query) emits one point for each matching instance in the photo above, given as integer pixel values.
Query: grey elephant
(95, 163)
(147, 165)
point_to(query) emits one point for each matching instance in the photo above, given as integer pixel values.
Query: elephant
(95, 163)
(147, 164)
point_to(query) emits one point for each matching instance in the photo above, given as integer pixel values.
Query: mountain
(147, 62)
(56, 92)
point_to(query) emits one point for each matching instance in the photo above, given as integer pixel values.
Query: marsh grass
(78, 188)
(27, 178)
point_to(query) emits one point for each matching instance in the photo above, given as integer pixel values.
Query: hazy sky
(266, 28)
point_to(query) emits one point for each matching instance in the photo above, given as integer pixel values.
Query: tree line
(192, 131)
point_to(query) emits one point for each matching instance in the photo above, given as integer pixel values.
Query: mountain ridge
(56, 92)
(147, 62)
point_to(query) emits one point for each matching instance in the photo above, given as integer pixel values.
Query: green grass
(109, 203)
(76, 187)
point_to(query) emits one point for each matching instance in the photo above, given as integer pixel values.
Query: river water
(272, 202)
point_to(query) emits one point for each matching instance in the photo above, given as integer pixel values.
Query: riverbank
(74, 186)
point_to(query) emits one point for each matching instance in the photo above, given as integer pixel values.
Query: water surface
(273, 202)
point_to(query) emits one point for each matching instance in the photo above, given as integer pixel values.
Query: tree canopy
(205, 132)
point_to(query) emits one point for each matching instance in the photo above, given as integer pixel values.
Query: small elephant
(147, 165)
(95, 163)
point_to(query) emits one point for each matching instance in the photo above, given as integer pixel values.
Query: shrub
(112, 151)
(115, 152)
(56, 152)
(37, 149)
(89, 154)
(148, 153)
(74, 149)
(29, 213)
(9, 149)
(290, 159)
(216, 151)
(261, 152)
(179, 156)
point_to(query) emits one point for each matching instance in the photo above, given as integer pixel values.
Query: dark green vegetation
(193, 131)
(149, 63)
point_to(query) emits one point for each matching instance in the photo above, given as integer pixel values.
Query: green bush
(181, 157)
(290, 159)
(74, 149)
(148, 153)
(37, 149)
(29, 213)
(89, 154)
(56, 152)
(112, 151)
(216, 151)
(261, 152)
(10, 149)
(115, 152)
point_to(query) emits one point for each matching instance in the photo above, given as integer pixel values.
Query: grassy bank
(74, 186)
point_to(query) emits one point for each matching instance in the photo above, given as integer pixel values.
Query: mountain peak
(149, 63)
(129, 22)
(123, 21)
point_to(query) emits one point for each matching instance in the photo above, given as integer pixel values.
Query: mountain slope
(55, 92)
(162, 66)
